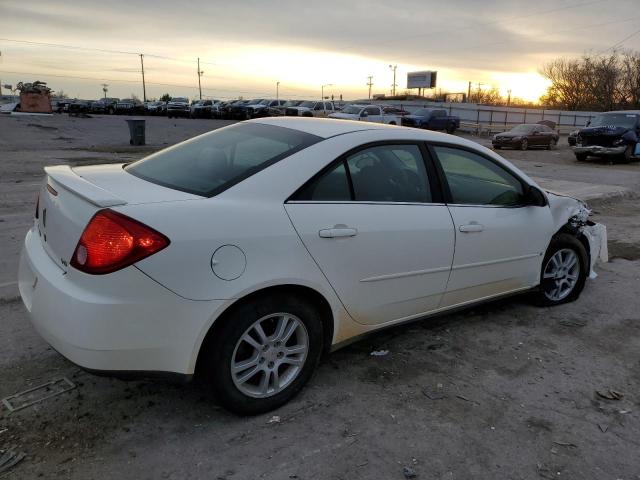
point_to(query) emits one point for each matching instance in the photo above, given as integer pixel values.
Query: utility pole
(277, 92)
(393, 85)
(200, 72)
(370, 84)
(105, 89)
(144, 87)
(469, 93)
(508, 97)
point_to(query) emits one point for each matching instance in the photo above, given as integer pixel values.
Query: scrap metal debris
(609, 394)
(37, 394)
(409, 472)
(10, 459)
(380, 353)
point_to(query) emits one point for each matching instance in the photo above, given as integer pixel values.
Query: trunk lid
(69, 197)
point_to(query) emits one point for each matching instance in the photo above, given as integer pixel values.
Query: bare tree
(594, 82)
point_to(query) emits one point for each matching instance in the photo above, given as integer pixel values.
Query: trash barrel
(136, 131)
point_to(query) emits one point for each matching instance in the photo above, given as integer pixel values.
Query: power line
(616, 45)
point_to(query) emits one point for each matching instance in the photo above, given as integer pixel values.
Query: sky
(247, 46)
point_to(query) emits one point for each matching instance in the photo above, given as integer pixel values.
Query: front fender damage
(571, 214)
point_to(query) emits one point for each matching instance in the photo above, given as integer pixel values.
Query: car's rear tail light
(112, 241)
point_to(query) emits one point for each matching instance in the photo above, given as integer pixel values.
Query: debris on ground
(566, 444)
(409, 472)
(437, 394)
(274, 419)
(609, 394)
(572, 323)
(380, 353)
(10, 459)
(37, 394)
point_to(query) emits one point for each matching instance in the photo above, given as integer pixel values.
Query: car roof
(322, 127)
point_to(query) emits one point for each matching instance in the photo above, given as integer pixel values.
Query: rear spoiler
(64, 176)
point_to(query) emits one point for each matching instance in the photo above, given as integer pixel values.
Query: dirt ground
(503, 391)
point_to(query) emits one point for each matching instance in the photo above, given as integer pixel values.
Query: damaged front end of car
(571, 216)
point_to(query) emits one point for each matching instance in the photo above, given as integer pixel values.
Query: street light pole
(393, 86)
(200, 72)
(278, 92)
(322, 94)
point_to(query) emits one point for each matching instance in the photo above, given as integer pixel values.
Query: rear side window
(475, 180)
(385, 173)
(211, 163)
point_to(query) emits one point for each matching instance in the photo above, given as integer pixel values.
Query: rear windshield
(209, 164)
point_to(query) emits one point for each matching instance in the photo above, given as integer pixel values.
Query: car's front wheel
(524, 144)
(564, 270)
(263, 353)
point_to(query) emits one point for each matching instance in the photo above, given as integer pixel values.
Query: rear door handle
(338, 232)
(471, 227)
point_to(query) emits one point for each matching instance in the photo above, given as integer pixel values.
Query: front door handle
(337, 232)
(471, 227)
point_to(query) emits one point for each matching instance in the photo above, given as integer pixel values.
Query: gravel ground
(506, 390)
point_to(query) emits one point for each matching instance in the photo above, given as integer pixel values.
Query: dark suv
(612, 135)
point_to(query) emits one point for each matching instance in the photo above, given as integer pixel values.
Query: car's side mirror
(534, 197)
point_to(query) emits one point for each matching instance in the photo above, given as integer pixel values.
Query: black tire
(627, 155)
(392, 123)
(215, 363)
(497, 147)
(552, 144)
(524, 144)
(450, 129)
(562, 241)
(581, 157)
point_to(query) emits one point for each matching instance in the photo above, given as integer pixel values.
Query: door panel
(502, 253)
(385, 261)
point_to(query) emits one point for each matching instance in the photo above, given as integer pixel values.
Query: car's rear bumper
(123, 321)
(600, 151)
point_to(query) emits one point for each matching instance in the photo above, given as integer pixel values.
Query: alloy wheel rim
(524, 144)
(561, 274)
(269, 355)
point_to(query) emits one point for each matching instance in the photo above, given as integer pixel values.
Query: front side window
(372, 111)
(210, 163)
(385, 173)
(475, 180)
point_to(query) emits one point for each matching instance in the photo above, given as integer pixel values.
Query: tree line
(597, 82)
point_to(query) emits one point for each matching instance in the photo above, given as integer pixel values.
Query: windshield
(211, 163)
(353, 109)
(180, 99)
(422, 112)
(523, 129)
(265, 102)
(292, 103)
(308, 104)
(626, 120)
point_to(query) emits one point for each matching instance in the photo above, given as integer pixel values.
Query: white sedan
(246, 252)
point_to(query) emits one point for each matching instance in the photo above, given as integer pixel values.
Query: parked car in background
(129, 106)
(310, 108)
(240, 109)
(432, 119)
(263, 108)
(571, 139)
(367, 113)
(105, 105)
(248, 251)
(61, 106)
(226, 108)
(178, 107)
(391, 110)
(526, 136)
(612, 135)
(79, 107)
(156, 108)
(289, 103)
(202, 108)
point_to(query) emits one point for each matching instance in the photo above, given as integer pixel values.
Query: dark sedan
(526, 136)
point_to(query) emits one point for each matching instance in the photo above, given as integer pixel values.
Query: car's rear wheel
(581, 157)
(524, 144)
(552, 144)
(564, 271)
(451, 128)
(263, 353)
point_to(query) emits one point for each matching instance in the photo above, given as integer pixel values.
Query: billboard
(426, 79)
